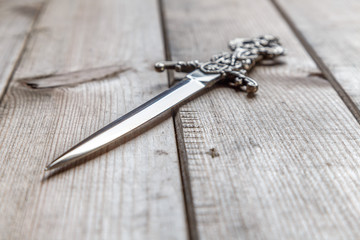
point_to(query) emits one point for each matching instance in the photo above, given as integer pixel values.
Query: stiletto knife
(228, 67)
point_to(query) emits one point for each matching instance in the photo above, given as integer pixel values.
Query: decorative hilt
(233, 65)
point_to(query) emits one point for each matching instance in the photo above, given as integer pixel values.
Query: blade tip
(50, 166)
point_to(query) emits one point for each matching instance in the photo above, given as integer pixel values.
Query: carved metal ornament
(233, 65)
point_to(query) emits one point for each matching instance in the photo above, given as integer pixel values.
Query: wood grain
(131, 192)
(17, 18)
(331, 31)
(281, 165)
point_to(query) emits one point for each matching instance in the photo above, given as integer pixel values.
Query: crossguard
(179, 66)
(233, 65)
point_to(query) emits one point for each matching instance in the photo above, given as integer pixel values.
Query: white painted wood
(17, 18)
(281, 165)
(131, 192)
(331, 31)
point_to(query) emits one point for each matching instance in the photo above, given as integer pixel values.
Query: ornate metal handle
(233, 66)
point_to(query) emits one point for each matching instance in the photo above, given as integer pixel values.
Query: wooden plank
(16, 20)
(281, 165)
(330, 29)
(133, 191)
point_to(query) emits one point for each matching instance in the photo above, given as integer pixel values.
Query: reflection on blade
(131, 121)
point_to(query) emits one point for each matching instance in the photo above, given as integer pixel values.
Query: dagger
(229, 67)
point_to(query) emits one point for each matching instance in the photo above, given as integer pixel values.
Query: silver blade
(192, 84)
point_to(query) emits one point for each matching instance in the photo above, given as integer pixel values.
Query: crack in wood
(73, 78)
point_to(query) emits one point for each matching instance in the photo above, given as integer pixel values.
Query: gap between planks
(22, 51)
(319, 62)
(286, 166)
(131, 191)
(181, 149)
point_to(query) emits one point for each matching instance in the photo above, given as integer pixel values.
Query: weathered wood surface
(281, 165)
(17, 17)
(331, 31)
(133, 191)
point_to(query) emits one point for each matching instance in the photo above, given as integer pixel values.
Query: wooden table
(281, 165)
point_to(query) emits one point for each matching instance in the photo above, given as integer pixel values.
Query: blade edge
(129, 122)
